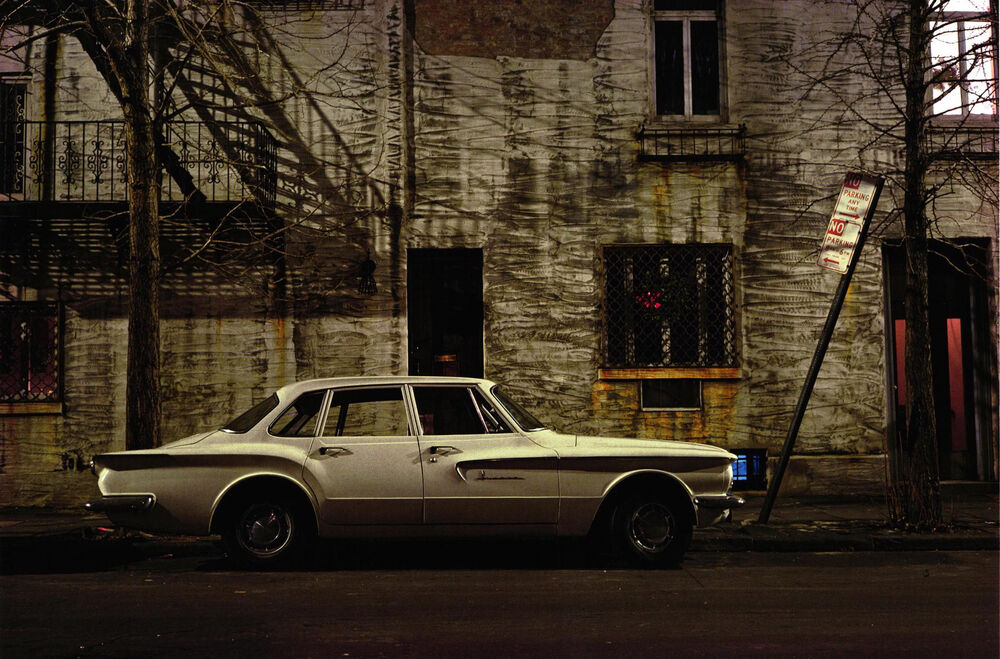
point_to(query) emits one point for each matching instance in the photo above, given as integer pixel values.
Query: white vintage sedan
(413, 456)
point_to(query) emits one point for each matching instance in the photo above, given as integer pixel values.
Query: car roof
(302, 386)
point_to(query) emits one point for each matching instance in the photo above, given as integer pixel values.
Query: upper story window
(669, 306)
(687, 81)
(13, 52)
(963, 59)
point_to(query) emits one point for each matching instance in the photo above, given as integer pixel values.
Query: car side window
(376, 412)
(301, 417)
(494, 422)
(456, 411)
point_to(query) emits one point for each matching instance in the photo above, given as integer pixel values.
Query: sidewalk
(796, 524)
(854, 524)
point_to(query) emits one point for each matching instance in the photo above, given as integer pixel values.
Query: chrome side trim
(131, 503)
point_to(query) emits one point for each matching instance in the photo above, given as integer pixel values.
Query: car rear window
(252, 417)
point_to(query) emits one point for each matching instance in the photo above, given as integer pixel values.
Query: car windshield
(524, 418)
(252, 417)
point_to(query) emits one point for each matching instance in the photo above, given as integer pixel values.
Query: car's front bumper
(714, 508)
(122, 503)
(718, 501)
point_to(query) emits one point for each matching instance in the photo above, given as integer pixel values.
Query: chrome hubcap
(265, 529)
(651, 527)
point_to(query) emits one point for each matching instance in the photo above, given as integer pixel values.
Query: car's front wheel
(264, 531)
(648, 530)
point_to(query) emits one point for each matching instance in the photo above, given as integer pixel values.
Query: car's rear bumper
(122, 503)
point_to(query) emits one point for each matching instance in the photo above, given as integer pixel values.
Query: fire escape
(64, 208)
(64, 197)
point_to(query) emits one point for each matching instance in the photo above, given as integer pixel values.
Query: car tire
(265, 531)
(649, 530)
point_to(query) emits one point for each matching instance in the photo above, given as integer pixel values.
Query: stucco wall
(531, 157)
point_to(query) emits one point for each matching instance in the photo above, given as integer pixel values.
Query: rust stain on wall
(713, 423)
(554, 29)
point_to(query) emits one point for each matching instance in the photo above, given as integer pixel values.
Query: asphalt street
(499, 599)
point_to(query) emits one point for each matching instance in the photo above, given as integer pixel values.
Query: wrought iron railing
(692, 144)
(669, 306)
(963, 142)
(328, 5)
(30, 352)
(87, 161)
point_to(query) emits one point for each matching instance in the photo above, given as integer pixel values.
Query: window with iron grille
(669, 306)
(30, 352)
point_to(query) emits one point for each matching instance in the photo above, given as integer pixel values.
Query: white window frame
(956, 20)
(687, 17)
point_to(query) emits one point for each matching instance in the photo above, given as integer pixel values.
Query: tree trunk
(142, 413)
(914, 496)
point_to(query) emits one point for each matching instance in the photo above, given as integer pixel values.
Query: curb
(806, 539)
(91, 541)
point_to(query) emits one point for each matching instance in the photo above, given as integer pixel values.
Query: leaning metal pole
(817, 361)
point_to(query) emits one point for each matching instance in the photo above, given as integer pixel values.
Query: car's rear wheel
(264, 531)
(649, 530)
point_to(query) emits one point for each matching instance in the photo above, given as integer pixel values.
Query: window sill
(705, 121)
(30, 409)
(668, 374)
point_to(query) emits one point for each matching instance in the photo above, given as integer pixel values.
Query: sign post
(841, 249)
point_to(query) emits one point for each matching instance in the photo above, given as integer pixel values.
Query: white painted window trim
(686, 18)
(958, 19)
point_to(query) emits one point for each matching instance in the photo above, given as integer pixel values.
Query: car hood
(587, 445)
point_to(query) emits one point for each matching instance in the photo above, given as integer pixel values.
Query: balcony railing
(963, 142)
(86, 161)
(692, 144)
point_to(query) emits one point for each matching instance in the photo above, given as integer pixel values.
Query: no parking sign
(852, 212)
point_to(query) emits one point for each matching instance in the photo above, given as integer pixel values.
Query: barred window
(669, 306)
(30, 363)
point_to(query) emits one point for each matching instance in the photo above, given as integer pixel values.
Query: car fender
(641, 473)
(581, 508)
(245, 480)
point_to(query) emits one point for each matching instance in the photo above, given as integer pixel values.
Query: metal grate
(30, 352)
(669, 306)
(962, 142)
(692, 144)
(333, 5)
(12, 98)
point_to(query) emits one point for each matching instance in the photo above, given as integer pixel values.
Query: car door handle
(443, 450)
(334, 450)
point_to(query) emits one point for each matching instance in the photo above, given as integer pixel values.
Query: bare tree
(882, 76)
(139, 45)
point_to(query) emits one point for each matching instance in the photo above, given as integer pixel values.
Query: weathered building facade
(614, 207)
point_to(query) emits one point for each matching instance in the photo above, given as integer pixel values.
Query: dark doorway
(961, 351)
(445, 307)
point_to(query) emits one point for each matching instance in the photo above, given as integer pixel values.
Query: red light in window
(650, 300)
